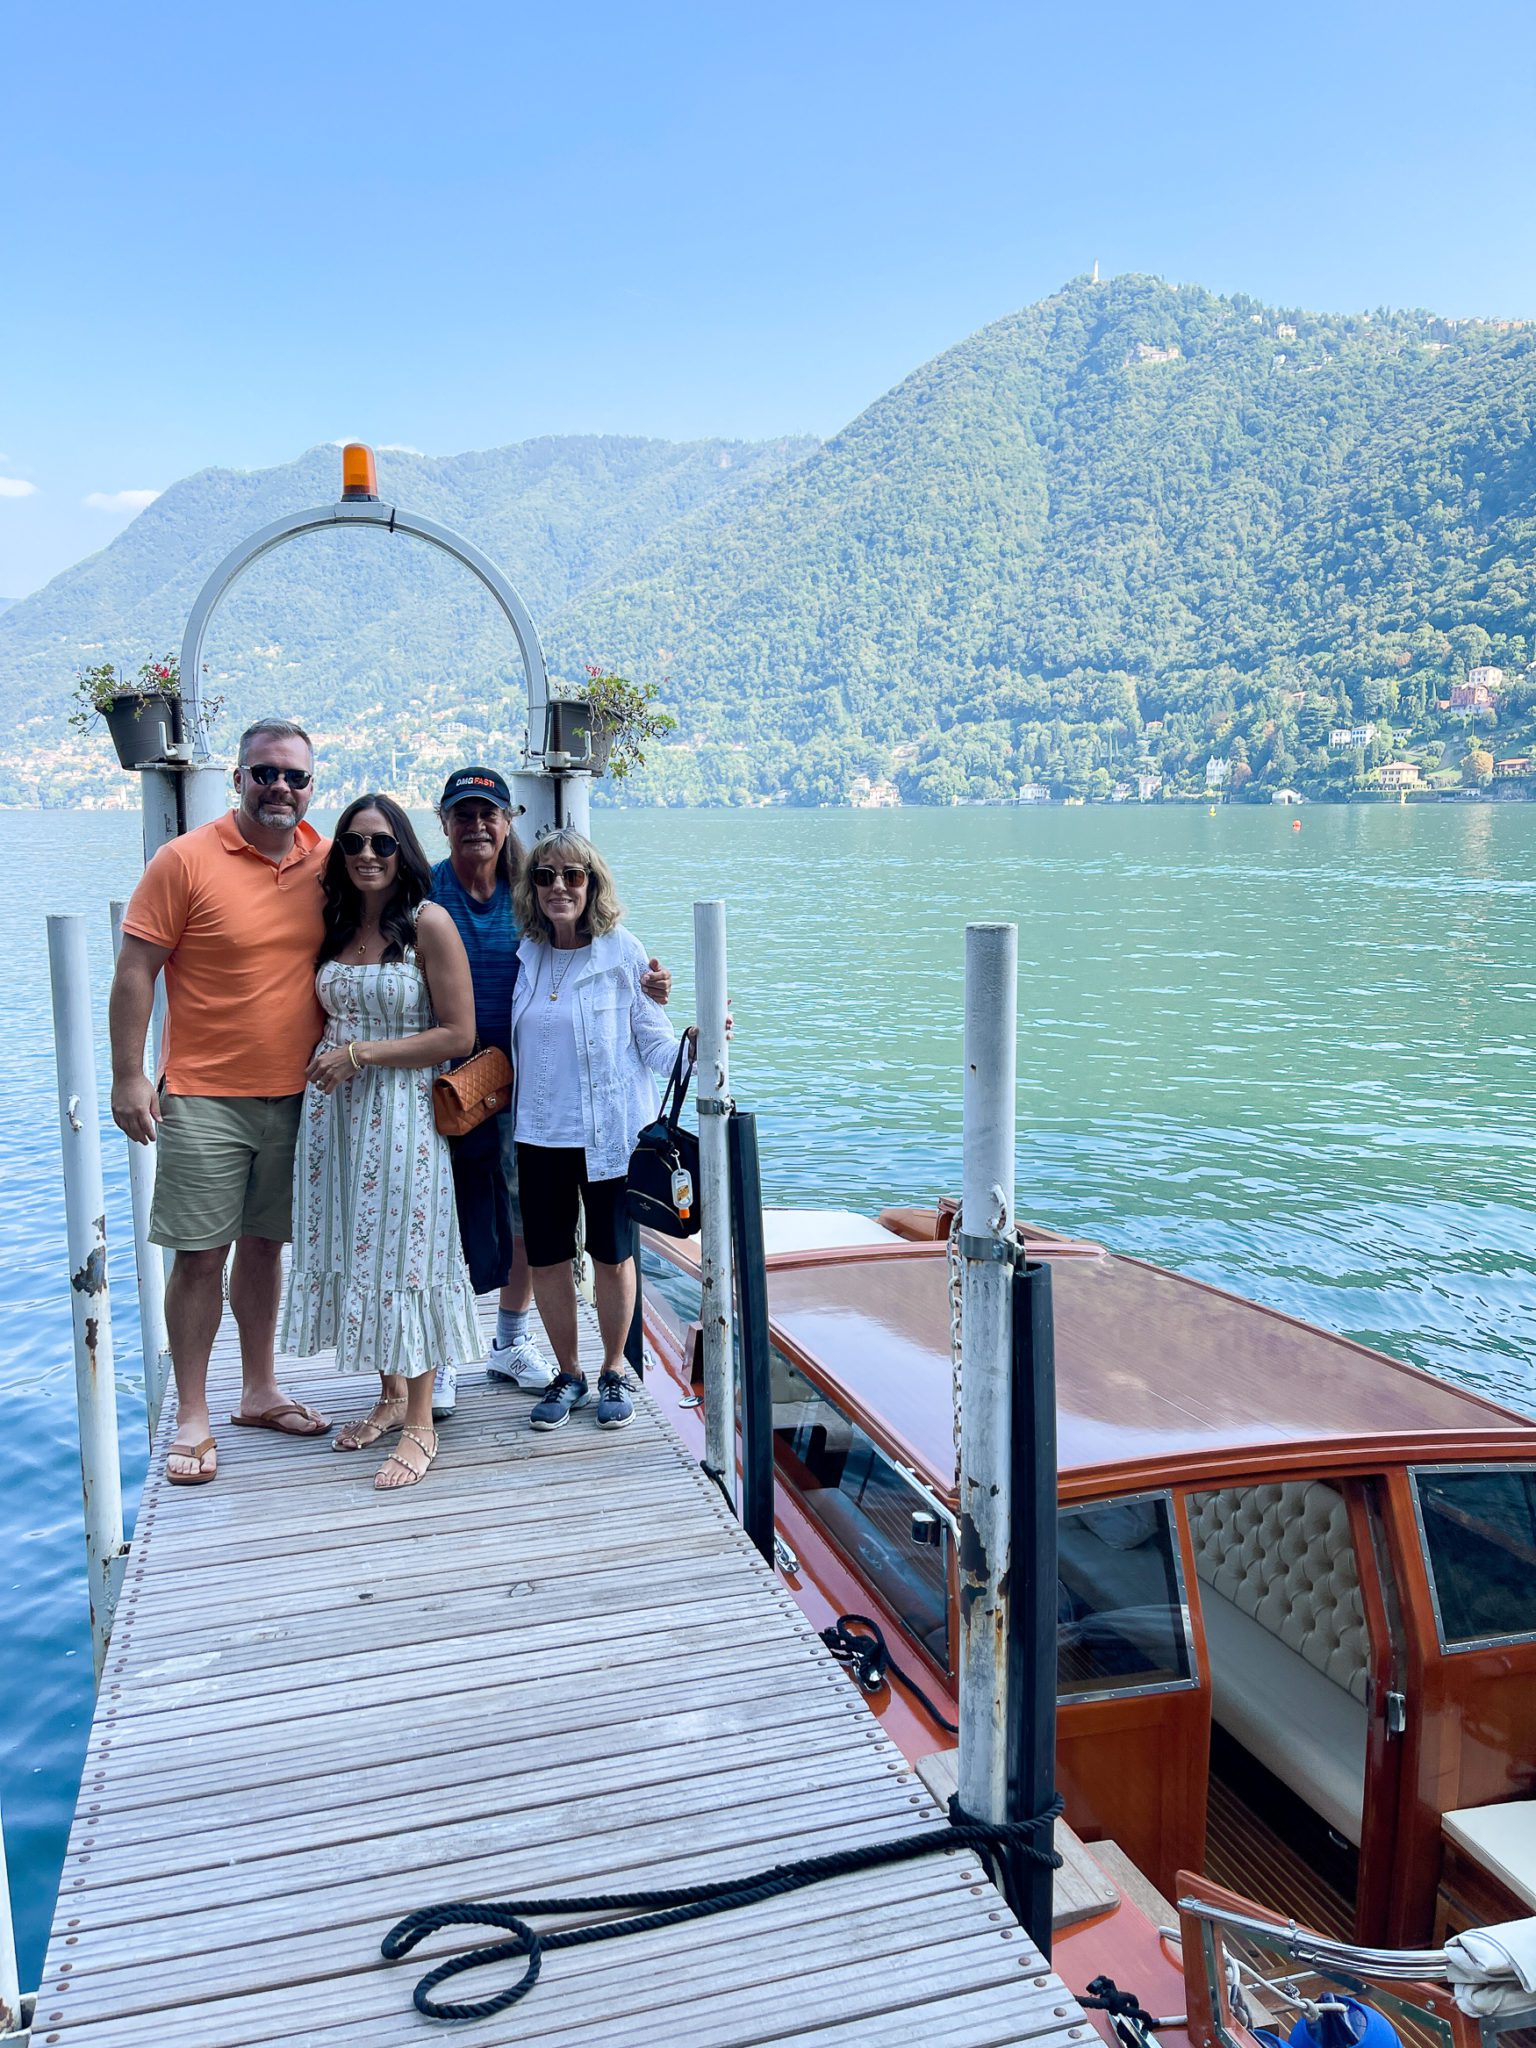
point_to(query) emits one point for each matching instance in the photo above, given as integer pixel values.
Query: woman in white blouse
(587, 1047)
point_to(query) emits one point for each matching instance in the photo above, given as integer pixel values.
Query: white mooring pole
(714, 1101)
(86, 1224)
(148, 1259)
(986, 1425)
(10, 1975)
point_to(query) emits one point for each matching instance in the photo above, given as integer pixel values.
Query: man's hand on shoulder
(136, 1108)
(656, 982)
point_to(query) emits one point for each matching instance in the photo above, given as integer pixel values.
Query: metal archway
(383, 519)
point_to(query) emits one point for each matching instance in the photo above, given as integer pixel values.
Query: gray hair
(272, 728)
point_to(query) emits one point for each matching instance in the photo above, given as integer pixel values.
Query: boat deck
(555, 1666)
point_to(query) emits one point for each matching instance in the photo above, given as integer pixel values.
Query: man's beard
(278, 815)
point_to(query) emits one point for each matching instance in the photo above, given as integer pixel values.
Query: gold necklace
(556, 986)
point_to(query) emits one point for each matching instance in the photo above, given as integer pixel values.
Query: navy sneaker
(568, 1391)
(614, 1407)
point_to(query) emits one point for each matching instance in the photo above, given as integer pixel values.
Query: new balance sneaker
(614, 1407)
(445, 1391)
(521, 1364)
(567, 1392)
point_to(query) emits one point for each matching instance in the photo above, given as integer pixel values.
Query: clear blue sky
(229, 233)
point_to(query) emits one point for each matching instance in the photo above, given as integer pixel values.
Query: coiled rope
(1003, 1844)
(868, 1660)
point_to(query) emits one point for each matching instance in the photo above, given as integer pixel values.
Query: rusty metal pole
(86, 1224)
(148, 1259)
(716, 1309)
(986, 1246)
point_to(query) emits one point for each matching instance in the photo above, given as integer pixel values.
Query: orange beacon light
(359, 478)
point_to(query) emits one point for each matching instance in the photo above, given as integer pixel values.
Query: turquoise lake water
(1299, 1064)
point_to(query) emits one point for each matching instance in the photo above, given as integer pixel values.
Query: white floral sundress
(378, 1269)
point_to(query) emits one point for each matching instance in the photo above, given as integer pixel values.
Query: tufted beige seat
(1285, 1630)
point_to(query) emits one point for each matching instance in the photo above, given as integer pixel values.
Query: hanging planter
(142, 728)
(142, 716)
(621, 720)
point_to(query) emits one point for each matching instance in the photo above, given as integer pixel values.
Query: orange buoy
(1295, 824)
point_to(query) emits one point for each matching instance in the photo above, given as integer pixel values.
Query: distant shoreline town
(1451, 755)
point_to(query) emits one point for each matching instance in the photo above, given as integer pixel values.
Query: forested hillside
(1129, 526)
(1112, 536)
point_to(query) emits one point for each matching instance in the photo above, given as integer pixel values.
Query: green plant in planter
(623, 720)
(99, 690)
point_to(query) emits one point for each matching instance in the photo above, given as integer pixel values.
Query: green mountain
(385, 648)
(1120, 533)
(1128, 526)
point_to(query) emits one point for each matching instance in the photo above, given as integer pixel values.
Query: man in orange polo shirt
(232, 913)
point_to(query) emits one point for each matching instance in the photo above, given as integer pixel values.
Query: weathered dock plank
(557, 1666)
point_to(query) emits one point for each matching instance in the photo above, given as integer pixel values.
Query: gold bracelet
(357, 1065)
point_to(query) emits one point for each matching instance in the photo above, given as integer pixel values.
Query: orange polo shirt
(242, 1015)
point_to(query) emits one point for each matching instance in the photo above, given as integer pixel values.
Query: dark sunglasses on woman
(382, 843)
(546, 878)
(266, 773)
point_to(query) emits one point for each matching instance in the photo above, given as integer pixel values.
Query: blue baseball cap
(484, 783)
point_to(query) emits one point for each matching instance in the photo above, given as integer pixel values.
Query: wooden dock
(557, 1665)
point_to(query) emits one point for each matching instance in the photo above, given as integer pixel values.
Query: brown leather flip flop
(198, 1451)
(273, 1420)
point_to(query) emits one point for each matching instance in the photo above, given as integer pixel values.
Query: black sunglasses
(546, 878)
(382, 843)
(266, 774)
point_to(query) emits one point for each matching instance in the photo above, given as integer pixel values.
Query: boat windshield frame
(1176, 1535)
(1460, 1646)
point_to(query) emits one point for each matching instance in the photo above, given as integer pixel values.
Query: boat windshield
(870, 1509)
(1479, 1528)
(1121, 1620)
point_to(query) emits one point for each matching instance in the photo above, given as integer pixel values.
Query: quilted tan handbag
(469, 1094)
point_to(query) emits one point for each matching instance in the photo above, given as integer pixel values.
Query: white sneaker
(445, 1391)
(522, 1363)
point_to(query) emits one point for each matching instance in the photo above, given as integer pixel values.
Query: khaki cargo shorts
(223, 1169)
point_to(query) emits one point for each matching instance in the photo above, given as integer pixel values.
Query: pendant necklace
(555, 986)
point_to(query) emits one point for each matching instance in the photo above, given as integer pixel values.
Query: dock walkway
(556, 1665)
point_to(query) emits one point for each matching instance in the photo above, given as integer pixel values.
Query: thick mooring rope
(1008, 1842)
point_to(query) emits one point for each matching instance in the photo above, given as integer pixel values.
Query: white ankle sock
(512, 1325)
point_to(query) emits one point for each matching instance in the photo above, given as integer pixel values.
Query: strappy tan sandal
(367, 1429)
(413, 1478)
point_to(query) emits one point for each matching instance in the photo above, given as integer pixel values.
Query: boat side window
(864, 1503)
(676, 1296)
(1121, 1620)
(1479, 1529)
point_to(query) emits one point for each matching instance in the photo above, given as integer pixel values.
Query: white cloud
(119, 501)
(15, 487)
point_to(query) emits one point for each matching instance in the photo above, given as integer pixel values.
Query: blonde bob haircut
(567, 849)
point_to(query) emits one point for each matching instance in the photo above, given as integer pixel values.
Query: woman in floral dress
(378, 1270)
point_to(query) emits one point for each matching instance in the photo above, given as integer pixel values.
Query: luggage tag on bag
(682, 1192)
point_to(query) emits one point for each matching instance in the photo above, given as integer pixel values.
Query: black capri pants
(552, 1181)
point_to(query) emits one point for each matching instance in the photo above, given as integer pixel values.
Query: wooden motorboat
(1296, 1589)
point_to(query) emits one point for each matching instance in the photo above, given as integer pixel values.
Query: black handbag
(663, 1179)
